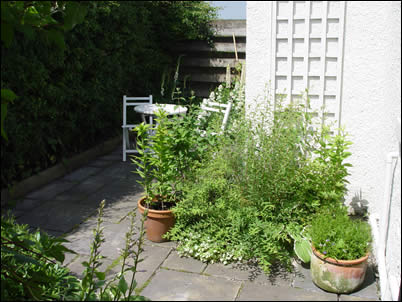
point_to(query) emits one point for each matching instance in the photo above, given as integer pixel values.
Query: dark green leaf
(8, 95)
(100, 275)
(57, 38)
(7, 33)
(122, 286)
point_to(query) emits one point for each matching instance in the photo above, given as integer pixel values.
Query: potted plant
(164, 155)
(339, 251)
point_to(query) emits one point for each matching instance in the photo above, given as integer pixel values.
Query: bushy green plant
(168, 152)
(260, 186)
(31, 265)
(336, 235)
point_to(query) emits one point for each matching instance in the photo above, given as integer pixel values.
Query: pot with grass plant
(163, 157)
(340, 248)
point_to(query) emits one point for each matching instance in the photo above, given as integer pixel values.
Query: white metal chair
(131, 102)
(208, 106)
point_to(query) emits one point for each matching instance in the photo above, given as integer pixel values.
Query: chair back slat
(209, 106)
(129, 101)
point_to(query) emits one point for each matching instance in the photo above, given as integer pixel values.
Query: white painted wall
(370, 107)
(258, 16)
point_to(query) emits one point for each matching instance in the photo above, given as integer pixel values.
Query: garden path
(68, 207)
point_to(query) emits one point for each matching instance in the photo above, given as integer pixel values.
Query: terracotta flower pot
(337, 276)
(157, 223)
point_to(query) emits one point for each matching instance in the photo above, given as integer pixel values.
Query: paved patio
(68, 206)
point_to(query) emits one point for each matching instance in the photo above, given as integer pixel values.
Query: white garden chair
(131, 102)
(207, 107)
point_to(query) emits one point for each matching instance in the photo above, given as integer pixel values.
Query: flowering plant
(235, 94)
(336, 235)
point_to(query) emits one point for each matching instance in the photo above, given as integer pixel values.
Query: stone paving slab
(175, 262)
(250, 272)
(252, 291)
(114, 234)
(99, 179)
(81, 174)
(49, 191)
(153, 257)
(114, 194)
(100, 163)
(115, 156)
(117, 211)
(169, 285)
(27, 205)
(79, 192)
(120, 170)
(77, 269)
(354, 298)
(56, 215)
(229, 271)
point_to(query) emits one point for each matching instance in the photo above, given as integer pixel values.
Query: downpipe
(387, 284)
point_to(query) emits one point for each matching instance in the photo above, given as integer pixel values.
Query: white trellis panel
(307, 48)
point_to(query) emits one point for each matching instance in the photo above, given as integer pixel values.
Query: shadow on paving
(62, 205)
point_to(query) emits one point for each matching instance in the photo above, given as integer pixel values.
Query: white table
(152, 109)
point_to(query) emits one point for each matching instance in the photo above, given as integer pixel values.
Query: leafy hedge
(69, 100)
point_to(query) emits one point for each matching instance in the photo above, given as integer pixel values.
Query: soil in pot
(337, 276)
(158, 221)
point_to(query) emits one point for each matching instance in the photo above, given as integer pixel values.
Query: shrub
(258, 185)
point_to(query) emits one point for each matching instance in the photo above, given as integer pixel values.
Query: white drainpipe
(386, 284)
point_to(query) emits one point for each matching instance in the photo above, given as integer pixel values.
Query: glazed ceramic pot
(337, 276)
(158, 222)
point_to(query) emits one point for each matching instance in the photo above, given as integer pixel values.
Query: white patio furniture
(207, 107)
(132, 102)
(151, 110)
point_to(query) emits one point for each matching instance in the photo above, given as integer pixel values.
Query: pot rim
(150, 211)
(339, 262)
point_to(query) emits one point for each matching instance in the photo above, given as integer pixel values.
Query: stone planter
(337, 276)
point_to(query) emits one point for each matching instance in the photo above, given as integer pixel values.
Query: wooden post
(234, 42)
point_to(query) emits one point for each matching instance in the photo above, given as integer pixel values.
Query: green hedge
(70, 101)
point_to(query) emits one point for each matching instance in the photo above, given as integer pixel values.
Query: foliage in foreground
(259, 186)
(31, 266)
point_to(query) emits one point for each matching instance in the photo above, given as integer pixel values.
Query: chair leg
(124, 144)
